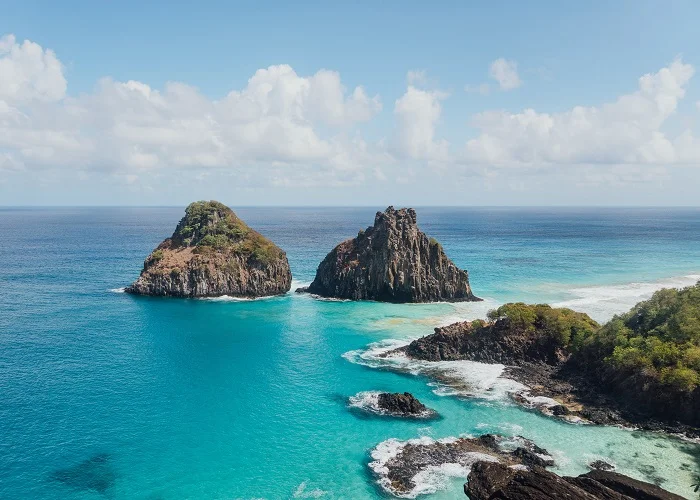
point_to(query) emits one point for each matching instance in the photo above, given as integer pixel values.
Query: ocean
(107, 395)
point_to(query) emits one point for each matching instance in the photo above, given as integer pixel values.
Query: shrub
(568, 328)
(680, 378)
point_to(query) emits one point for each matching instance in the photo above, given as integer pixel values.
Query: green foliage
(156, 255)
(434, 243)
(659, 337)
(680, 378)
(569, 328)
(476, 324)
(210, 226)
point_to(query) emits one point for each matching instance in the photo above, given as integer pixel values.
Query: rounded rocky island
(213, 253)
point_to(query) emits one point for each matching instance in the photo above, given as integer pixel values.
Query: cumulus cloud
(626, 131)
(29, 72)
(417, 114)
(279, 119)
(287, 129)
(505, 72)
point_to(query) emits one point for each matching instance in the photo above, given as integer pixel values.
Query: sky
(353, 103)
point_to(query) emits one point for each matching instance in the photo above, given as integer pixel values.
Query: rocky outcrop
(400, 465)
(212, 253)
(404, 405)
(391, 261)
(552, 351)
(490, 481)
(498, 342)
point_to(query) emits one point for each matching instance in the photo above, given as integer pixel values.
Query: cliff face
(211, 253)
(391, 261)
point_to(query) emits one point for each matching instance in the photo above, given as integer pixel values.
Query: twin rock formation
(212, 253)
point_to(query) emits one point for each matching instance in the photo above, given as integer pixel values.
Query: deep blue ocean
(106, 395)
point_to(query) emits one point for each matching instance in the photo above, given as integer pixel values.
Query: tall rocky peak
(391, 261)
(212, 252)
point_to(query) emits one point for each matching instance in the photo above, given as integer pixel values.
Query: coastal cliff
(212, 253)
(391, 261)
(642, 367)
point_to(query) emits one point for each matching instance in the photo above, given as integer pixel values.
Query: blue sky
(152, 103)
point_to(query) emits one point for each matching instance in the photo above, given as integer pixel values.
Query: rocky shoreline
(401, 466)
(576, 396)
(557, 382)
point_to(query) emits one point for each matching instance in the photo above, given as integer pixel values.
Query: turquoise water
(248, 399)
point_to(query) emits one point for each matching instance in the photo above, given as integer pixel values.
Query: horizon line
(353, 206)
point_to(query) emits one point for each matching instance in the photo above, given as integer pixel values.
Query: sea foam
(602, 302)
(432, 478)
(461, 378)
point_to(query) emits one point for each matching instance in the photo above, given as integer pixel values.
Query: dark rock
(212, 253)
(559, 410)
(95, 474)
(397, 473)
(497, 481)
(403, 404)
(601, 465)
(497, 342)
(532, 459)
(596, 489)
(488, 480)
(391, 261)
(639, 490)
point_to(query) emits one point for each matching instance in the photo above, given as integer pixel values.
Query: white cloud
(29, 72)
(280, 119)
(505, 72)
(287, 129)
(626, 131)
(417, 114)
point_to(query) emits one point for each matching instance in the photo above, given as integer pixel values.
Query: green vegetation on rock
(568, 328)
(659, 339)
(210, 225)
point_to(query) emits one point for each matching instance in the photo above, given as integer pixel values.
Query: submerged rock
(405, 405)
(391, 261)
(403, 466)
(212, 253)
(601, 465)
(488, 480)
(95, 474)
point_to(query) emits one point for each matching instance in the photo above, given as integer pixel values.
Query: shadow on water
(94, 474)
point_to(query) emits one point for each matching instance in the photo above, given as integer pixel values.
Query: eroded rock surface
(402, 465)
(490, 481)
(405, 405)
(391, 261)
(212, 253)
